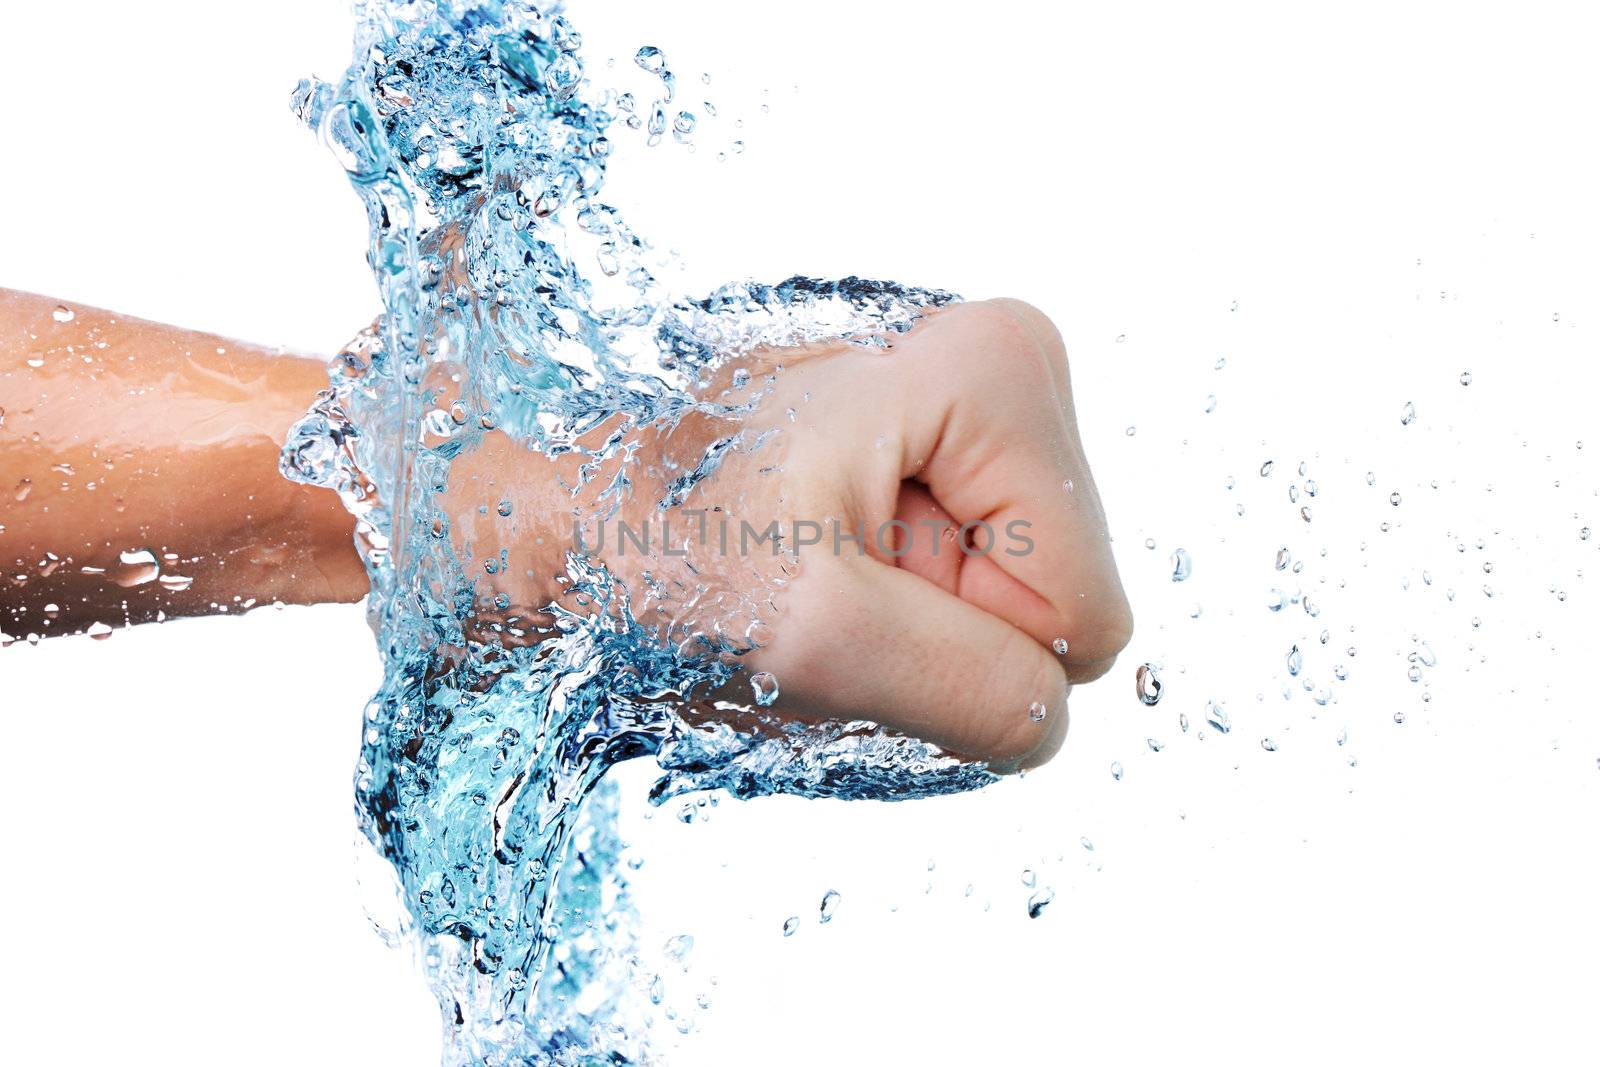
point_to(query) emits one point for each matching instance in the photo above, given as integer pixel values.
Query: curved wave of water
(522, 320)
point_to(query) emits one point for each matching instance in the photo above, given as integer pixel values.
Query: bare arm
(138, 475)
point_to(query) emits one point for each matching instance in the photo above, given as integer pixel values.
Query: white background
(1354, 204)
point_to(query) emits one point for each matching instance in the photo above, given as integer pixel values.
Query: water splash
(525, 370)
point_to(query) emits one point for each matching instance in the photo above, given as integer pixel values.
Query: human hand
(954, 456)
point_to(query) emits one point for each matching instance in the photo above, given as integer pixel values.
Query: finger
(989, 430)
(899, 650)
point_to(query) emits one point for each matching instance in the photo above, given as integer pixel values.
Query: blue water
(526, 342)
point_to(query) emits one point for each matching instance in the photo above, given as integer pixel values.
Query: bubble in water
(1147, 684)
(830, 904)
(1182, 565)
(765, 688)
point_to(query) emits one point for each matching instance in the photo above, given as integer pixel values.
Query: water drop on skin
(1037, 711)
(63, 314)
(1060, 646)
(1147, 684)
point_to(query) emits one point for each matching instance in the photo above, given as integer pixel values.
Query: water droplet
(1400, 717)
(830, 904)
(1282, 561)
(1217, 717)
(1266, 468)
(765, 687)
(99, 631)
(1408, 414)
(1466, 377)
(678, 948)
(1060, 645)
(62, 313)
(139, 568)
(1029, 879)
(790, 925)
(1269, 744)
(24, 487)
(1116, 770)
(1038, 901)
(651, 58)
(1088, 846)
(1182, 565)
(1155, 746)
(1294, 660)
(1394, 498)
(1147, 683)
(1037, 711)
(504, 509)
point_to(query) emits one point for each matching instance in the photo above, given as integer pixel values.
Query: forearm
(138, 467)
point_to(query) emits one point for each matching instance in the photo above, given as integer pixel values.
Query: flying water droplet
(1408, 414)
(1217, 717)
(830, 903)
(1269, 744)
(790, 925)
(1294, 660)
(1116, 770)
(1147, 684)
(1182, 565)
(1039, 901)
(677, 948)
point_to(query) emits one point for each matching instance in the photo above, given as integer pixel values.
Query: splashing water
(526, 342)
